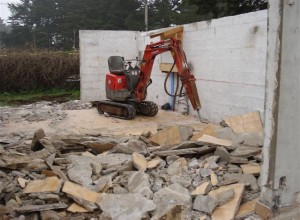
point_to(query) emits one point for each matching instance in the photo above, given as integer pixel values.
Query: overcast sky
(4, 11)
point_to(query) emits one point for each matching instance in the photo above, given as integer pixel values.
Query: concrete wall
(95, 48)
(228, 57)
(281, 164)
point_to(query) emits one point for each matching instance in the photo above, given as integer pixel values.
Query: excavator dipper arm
(188, 80)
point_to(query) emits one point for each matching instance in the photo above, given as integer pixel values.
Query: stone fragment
(102, 144)
(138, 182)
(205, 204)
(204, 172)
(223, 154)
(209, 130)
(183, 180)
(39, 134)
(246, 209)
(203, 189)
(38, 208)
(252, 139)
(246, 151)
(125, 206)
(171, 159)
(247, 179)
(75, 208)
(194, 164)
(113, 159)
(50, 184)
(252, 168)
(139, 161)
(81, 174)
(167, 136)
(210, 140)
(249, 122)
(102, 182)
(238, 160)
(175, 168)
(169, 197)
(225, 196)
(154, 163)
(81, 195)
(230, 208)
(200, 151)
(130, 147)
(87, 154)
(119, 190)
(213, 178)
(22, 182)
(186, 132)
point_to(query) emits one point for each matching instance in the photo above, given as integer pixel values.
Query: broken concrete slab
(50, 184)
(246, 209)
(252, 168)
(169, 197)
(139, 161)
(246, 151)
(223, 154)
(81, 195)
(202, 189)
(227, 210)
(210, 140)
(225, 196)
(125, 206)
(209, 130)
(246, 179)
(249, 122)
(205, 204)
(113, 159)
(167, 136)
(38, 208)
(138, 182)
(200, 150)
(252, 139)
(130, 147)
(76, 208)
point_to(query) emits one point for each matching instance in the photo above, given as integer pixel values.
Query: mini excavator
(126, 86)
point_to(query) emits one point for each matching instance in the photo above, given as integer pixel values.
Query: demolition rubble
(176, 173)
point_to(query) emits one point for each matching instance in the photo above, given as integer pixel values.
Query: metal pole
(146, 15)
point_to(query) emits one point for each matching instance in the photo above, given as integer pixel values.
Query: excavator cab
(121, 81)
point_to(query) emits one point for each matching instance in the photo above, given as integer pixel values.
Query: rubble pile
(176, 173)
(40, 111)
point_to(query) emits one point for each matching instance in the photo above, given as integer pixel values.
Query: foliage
(55, 24)
(27, 71)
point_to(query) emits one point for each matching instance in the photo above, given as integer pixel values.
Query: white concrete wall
(228, 57)
(95, 48)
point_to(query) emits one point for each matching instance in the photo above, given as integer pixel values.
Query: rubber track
(153, 108)
(130, 109)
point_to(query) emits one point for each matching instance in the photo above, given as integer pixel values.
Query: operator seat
(116, 65)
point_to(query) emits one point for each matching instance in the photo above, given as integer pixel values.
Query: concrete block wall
(228, 57)
(95, 48)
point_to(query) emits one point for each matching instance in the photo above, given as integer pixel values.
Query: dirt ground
(88, 121)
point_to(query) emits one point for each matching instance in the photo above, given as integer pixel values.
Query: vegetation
(54, 24)
(17, 98)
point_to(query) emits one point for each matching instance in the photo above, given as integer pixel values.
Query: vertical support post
(146, 15)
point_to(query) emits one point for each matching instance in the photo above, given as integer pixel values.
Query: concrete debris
(139, 161)
(205, 204)
(127, 177)
(125, 206)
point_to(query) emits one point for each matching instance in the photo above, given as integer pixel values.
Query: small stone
(39, 134)
(175, 168)
(194, 164)
(50, 184)
(204, 172)
(184, 181)
(213, 178)
(154, 163)
(139, 161)
(75, 208)
(203, 189)
(130, 147)
(119, 190)
(223, 154)
(171, 159)
(205, 204)
(22, 182)
(138, 182)
(225, 196)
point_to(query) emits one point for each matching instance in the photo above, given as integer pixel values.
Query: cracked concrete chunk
(130, 147)
(138, 182)
(205, 204)
(139, 161)
(125, 206)
(81, 195)
(169, 197)
(50, 184)
(203, 189)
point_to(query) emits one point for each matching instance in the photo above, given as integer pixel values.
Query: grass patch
(22, 98)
